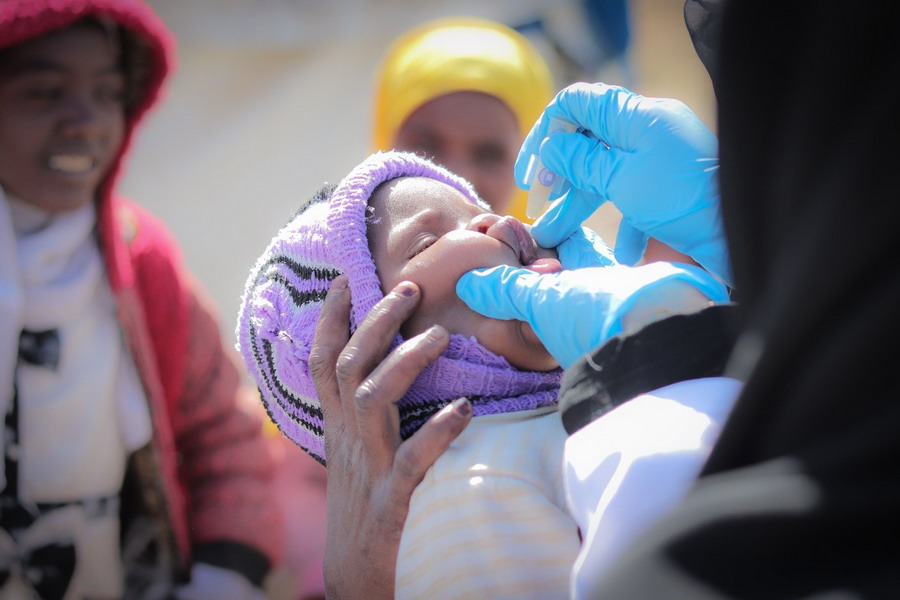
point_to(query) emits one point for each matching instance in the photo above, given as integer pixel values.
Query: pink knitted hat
(284, 295)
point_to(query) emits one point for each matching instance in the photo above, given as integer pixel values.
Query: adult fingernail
(406, 288)
(436, 333)
(462, 407)
(340, 283)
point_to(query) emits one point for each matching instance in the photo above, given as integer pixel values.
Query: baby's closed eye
(422, 242)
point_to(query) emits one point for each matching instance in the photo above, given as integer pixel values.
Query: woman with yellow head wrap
(464, 91)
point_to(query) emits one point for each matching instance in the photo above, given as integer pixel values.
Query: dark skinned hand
(371, 473)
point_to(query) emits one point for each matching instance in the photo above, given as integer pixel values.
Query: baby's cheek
(438, 274)
(441, 306)
(464, 250)
(437, 270)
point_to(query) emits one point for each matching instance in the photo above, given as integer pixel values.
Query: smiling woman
(118, 396)
(63, 119)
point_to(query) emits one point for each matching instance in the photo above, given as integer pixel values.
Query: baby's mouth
(527, 251)
(514, 234)
(545, 265)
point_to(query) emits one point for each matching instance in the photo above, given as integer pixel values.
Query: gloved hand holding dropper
(656, 162)
(651, 157)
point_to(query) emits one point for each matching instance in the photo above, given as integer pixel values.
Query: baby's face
(429, 233)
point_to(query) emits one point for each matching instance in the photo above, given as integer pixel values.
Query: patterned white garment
(489, 520)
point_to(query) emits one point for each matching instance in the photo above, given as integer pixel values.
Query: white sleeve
(215, 583)
(629, 467)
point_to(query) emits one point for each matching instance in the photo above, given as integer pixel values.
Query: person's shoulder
(138, 223)
(143, 232)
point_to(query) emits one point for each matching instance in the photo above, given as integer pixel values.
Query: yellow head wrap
(460, 54)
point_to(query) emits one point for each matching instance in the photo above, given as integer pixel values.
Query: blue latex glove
(654, 159)
(584, 248)
(573, 312)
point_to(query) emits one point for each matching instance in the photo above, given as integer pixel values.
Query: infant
(490, 517)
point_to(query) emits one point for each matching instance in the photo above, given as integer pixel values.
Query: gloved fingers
(564, 217)
(622, 118)
(577, 104)
(587, 163)
(609, 112)
(531, 147)
(583, 249)
(500, 292)
(630, 243)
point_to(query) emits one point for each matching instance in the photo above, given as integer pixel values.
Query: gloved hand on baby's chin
(584, 248)
(574, 311)
(651, 157)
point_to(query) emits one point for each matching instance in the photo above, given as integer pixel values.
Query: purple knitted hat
(284, 294)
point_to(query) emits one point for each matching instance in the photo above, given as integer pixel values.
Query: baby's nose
(483, 222)
(508, 230)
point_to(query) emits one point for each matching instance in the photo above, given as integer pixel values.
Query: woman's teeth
(71, 163)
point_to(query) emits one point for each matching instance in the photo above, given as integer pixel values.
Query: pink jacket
(215, 469)
(212, 467)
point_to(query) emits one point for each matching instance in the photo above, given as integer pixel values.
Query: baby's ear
(371, 219)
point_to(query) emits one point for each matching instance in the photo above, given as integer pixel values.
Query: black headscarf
(801, 496)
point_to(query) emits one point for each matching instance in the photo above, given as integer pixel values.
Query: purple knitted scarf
(284, 294)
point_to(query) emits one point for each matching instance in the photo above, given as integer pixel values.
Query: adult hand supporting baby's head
(371, 473)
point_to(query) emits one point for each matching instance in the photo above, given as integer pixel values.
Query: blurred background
(272, 98)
